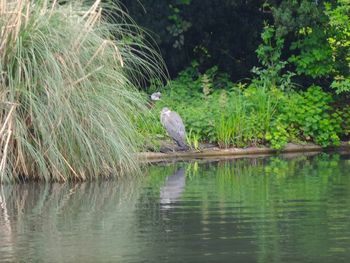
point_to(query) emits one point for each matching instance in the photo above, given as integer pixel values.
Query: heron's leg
(166, 149)
(182, 148)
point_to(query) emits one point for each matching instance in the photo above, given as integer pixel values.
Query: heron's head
(165, 110)
(156, 96)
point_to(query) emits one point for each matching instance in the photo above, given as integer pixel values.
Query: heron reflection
(172, 190)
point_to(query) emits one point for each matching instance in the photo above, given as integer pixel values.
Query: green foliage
(308, 117)
(339, 40)
(320, 46)
(278, 136)
(315, 54)
(303, 23)
(269, 55)
(290, 16)
(185, 95)
(68, 90)
(344, 115)
(216, 110)
(149, 126)
(219, 111)
(178, 25)
(224, 34)
(193, 140)
(309, 38)
(232, 128)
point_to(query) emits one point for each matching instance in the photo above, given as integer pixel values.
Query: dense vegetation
(243, 73)
(68, 90)
(295, 91)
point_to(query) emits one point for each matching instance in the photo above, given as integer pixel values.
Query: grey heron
(173, 124)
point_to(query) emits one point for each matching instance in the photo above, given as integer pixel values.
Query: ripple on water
(249, 210)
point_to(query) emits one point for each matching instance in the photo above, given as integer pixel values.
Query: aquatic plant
(68, 82)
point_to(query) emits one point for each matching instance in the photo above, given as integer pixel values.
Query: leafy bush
(314, 55)
(67, 90)
(312, 115)
(270, 110)
(339, 41)
(224, 34)
(219, 111)
(269, 53)
(319, 33)
(307, 116)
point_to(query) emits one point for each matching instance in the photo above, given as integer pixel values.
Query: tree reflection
(274, 209)
(281, 208)
(56, 221)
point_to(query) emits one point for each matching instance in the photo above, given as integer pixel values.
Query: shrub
(306, 116)
(272, 73)
(216, 110)
(219, 111)
(68, 90)
(339, 41)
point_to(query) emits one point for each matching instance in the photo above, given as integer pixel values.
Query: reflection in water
(173, 188)
(248, 210)
(66, 222)
(6, 243)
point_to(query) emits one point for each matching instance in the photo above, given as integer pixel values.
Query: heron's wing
(175, 127)
(180, 127)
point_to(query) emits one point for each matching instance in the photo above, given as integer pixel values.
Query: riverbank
(231, 152)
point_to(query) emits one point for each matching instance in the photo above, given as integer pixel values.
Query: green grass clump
(68, 90)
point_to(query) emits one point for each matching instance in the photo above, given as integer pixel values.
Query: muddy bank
(216, 152)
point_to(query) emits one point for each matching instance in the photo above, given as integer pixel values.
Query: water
(249, 210)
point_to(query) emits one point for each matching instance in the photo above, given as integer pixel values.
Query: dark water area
(275, 209)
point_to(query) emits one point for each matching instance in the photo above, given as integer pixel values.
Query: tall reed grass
(68, 89)
(246, 117)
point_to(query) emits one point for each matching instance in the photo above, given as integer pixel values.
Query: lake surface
(276, 209)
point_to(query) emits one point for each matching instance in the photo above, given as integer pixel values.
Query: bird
(174, 125)
(156, 96)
